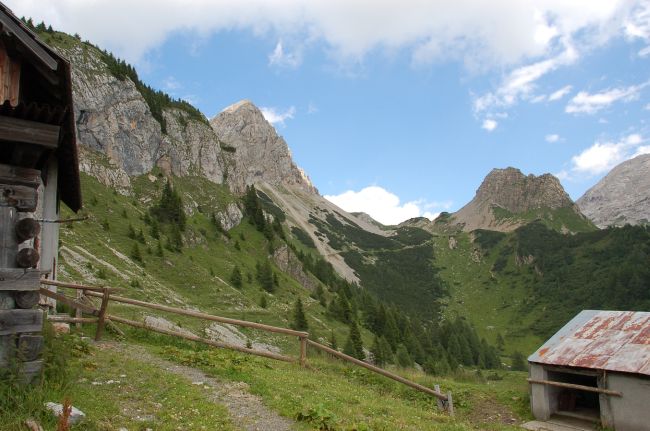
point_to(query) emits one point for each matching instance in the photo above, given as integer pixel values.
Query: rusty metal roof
(605, 340)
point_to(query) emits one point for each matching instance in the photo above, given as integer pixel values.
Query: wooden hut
(38, 169)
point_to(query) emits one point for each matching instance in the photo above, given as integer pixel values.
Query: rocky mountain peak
(258, 153)
(622, 196)
(507, 196)
(511, 190)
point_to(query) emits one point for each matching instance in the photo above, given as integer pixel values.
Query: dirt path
(247, 411)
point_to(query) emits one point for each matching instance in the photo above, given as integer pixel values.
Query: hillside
(622, 196)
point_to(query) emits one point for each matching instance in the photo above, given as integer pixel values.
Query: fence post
(441, 404)
(303, 351)
(450, 404)
(78, 313)
(102, 314)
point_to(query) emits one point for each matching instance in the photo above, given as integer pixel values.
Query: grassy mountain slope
(100, 251)
(526, 284)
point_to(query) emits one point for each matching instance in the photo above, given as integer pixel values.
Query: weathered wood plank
(23, 198)
(19, 321)
(29, 347)
(20, 279)
(10, 174)
(27, 299)
(29, 132)
(27, 228)
(8, 244)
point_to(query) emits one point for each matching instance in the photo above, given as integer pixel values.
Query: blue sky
(401, 108)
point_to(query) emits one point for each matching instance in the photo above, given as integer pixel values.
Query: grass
(113, 391)
(117, 387)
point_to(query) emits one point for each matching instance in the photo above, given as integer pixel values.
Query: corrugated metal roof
(607, 340)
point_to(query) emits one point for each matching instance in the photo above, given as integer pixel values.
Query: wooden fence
(83, 304)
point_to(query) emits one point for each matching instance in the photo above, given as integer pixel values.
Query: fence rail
(101, 317)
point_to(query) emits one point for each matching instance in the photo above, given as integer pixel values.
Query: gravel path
(247, 411)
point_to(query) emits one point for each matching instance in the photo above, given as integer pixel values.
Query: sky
(400, 108)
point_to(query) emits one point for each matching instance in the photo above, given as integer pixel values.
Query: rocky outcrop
(230, 217)
(507, 192)
(289, 263)
(257, 153)
(622, 196)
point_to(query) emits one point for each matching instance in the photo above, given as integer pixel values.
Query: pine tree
(354, 345)
(403, 358)
(263, 302)
(299, 322)
(236, 277)
(136, 254)
(265, 276)
(381, 351)
(518, 362)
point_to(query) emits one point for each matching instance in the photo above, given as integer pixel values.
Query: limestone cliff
(114, 119)
(257, 152)
(622, 197)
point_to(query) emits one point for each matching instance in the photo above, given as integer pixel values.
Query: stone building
(595, 371)
(38, 170)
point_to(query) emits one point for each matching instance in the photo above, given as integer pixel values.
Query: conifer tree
(354, 345)
(299, 322)
(403, 358)
(236, 277)
(265, 276)
(263, 302)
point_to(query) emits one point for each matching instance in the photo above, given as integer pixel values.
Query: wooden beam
(78, 286)
(20, 279)
(19, 321)
(577, 387)
(69, 301)
(196, 338)
(29, 132)
(68, 319)
(10, 174)
(203, 315)
(378, 370)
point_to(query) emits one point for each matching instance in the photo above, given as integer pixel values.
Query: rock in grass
(76, 415)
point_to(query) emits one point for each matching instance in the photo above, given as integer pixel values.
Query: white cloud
(284, 59)
(489, 125)
(603, 156)
(520, 82)
(557, 95)
(382, 205)
(586, 103)
(499, 32)
(552, 138)
(647, 107)
(276, 117)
